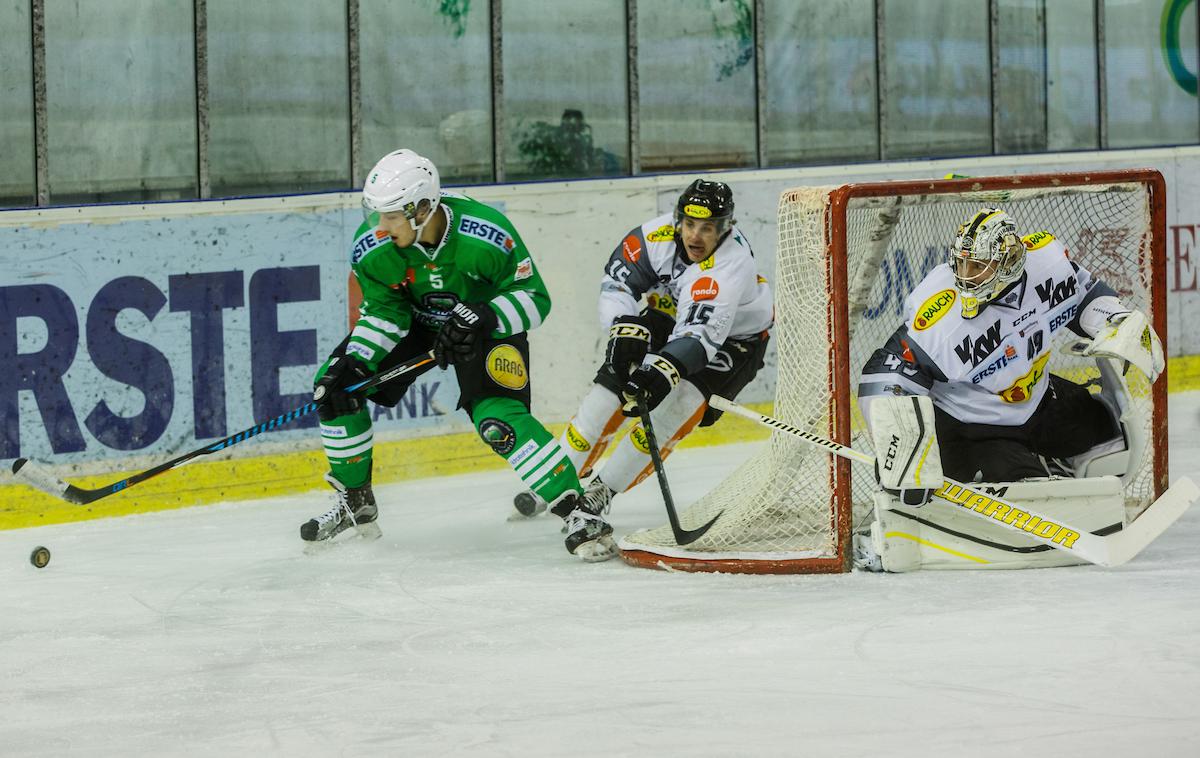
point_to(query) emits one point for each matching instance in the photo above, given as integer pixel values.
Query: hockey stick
(38, 476)
(1111, 550)
(682, 536)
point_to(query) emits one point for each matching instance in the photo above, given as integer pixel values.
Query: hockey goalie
(962, 389)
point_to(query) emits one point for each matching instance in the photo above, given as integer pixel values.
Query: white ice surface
(206, 631)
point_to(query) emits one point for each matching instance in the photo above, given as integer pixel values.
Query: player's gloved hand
(628, 343)
(913, 498)
(463, 334)
(329, 393)
(654, 380)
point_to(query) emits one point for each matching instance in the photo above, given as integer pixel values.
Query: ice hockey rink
(207, 631)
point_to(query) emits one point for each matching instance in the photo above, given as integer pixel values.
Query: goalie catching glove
(463, 334)
(908, 463)
(653, 380)
(1127, 336)
(628, 343)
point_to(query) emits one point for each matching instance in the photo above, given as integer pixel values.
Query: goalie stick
(38, 476)
(1112, 550)
(682, 536)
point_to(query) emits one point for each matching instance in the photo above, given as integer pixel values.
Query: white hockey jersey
(722, 297)
(990, 369)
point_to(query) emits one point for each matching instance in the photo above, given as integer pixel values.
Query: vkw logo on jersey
(1053, 294)
(933, 309)
(488, 232)
(705, 288)
(974, 351)
(506, 367)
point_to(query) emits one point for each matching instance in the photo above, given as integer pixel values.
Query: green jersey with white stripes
(480, 259)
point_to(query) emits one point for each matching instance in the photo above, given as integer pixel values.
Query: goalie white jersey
(719, 298)
(990, 369)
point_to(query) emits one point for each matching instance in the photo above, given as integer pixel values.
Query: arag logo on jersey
(1022, 389)
(664, 233)
(933, 309)
(1037, 240)
(577, 440)
(631, 248)
(486, 231)
(704, 288)
(506, 367)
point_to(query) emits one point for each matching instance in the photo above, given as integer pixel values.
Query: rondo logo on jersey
(697, 211)
(664, 233)
(488, 232)
(576, 440)
(1022, 389)
(933, 309)
(704, 288)
(631, 248)
(506, 367)
(1036, 240)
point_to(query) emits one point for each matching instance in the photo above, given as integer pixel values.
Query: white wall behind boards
(144, 330)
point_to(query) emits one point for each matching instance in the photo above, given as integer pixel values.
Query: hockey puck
(39, 557)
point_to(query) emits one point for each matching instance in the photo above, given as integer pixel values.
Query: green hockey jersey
(480, 259)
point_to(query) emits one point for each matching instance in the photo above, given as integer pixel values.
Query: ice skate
(527, 505)
(589, 536)
(354, 508)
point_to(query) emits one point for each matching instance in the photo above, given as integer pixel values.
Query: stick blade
(39, 477)
(1155, 520)
(688, 536)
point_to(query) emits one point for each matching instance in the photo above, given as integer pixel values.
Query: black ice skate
(527, 505)
(589, 536)
(355, 507)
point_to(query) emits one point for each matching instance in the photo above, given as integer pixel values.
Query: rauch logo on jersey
(489, 233)
(705, 288)
(664, 233)
(933, 309)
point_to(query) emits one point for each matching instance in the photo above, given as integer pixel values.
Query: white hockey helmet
(403, 181)
(987, 256)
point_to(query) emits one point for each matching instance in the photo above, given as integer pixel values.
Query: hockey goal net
(847, 258)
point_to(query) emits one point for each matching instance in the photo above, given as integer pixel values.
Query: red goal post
(847, 256)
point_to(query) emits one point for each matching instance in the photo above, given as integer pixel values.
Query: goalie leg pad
(905, 439)
(941, 536)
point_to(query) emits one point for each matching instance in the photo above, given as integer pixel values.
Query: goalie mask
(403, 181)
(987, 257)
(707, 201)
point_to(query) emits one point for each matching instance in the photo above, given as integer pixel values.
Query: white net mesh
(781, 506)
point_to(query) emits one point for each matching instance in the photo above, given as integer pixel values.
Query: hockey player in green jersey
(444, 272)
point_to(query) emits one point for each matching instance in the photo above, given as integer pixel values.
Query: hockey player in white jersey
(703, 331)
(977, 339)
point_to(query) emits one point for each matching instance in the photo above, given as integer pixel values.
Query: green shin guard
(348, 443)
(533, 452)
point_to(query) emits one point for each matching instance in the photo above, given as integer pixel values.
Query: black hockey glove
(329, 393)
(628, 343)
(913, 498)
(463, 334)
(654, 380)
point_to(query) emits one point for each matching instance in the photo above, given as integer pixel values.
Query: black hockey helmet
(707, 201)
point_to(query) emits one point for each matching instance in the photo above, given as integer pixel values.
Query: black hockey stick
(682, 536)
(37, 475)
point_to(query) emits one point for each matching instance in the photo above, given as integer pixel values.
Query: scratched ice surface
(206, 632)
